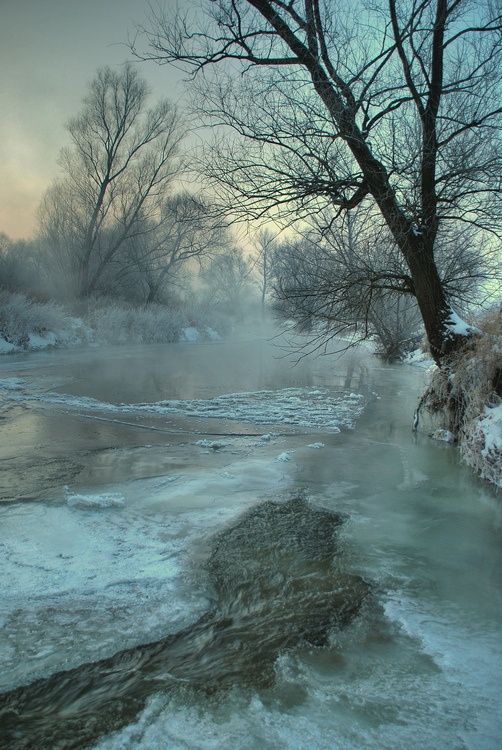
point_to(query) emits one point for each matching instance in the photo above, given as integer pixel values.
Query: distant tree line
(117, 223)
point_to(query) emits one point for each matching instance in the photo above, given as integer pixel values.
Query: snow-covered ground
(83, 336)
(481, 435)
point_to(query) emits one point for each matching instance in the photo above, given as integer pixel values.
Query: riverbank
(27, 325)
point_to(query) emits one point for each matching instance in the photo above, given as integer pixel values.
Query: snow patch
(35, 341)
(286, 456)
(212, 334)
(419, 358)
(444, 436)
(6, 347)
(491, 427)
(459, 327)
(215, 445)
(190, 334)
(103, 500)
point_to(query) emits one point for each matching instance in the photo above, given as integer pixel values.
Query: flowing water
(304, 570)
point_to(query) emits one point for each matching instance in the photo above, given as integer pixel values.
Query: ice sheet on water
(79, 585)
(470, 658)
(11, 384)
(300, 407)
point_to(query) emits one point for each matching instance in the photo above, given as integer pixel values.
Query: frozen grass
(479, 377)
(115, 323)
(467, 397)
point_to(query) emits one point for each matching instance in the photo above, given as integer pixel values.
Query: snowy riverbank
(27, 325)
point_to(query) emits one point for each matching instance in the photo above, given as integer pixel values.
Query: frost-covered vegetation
(114, 322)
(28, 324)
(466, 397)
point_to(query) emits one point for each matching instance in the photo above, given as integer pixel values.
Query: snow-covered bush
(26, 324)
(207, 317)
(467, 396)
(116, 323)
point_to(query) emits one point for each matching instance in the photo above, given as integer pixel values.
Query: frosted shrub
(207, 318)
(158, 324)
(25, 324)
(115, 323)
(468, 398)
(22, 319)
(109, 322)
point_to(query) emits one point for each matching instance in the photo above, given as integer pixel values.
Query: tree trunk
(83, 281)
(432, 303)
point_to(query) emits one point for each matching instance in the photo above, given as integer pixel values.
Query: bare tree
(265, 242)
(186, 231)
(228, 281)
(18, 265)
(117, 172)
(392, 103)
(322, 286)
(350, 280)
(61, 231)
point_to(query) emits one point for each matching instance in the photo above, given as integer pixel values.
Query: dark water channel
(304, 572)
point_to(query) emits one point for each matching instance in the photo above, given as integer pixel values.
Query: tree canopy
(334, 103)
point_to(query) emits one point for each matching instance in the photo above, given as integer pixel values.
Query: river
(120, 468)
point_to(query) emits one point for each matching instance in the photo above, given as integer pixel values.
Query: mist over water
(419, 665)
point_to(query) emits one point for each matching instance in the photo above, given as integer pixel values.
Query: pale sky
(49, 52)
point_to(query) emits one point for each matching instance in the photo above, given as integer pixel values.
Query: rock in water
(278, 583)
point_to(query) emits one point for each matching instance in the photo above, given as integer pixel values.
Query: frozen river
(119, 468)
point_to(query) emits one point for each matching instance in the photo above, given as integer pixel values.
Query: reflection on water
(45, 444)
(185, 371)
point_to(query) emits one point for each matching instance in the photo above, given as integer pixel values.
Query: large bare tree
(392, 102)
(118, 170)
(346, 280)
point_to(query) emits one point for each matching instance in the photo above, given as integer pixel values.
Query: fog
(122, 468)
(64, 41)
